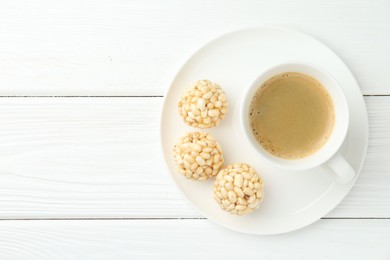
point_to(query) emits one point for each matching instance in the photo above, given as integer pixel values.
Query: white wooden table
(81, 85)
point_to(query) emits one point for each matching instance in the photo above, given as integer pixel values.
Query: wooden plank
(100, 158)
(189, 239)
(99, 47)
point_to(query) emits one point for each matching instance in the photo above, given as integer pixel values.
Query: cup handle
(342, 168)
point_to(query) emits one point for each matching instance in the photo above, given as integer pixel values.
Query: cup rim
(292, 164)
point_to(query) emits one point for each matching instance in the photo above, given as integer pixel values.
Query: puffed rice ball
(203, 105)
(238, 189)
(198, 156)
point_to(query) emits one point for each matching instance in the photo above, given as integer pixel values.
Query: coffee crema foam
(291, 115)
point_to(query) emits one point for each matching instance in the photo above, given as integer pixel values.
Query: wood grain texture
(119, 47)
(189, 239)
(100, 158)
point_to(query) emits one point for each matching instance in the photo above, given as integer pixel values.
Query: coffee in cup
(291, 115)
(299, 119)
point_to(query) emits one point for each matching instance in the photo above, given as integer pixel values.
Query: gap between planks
(151, 96)
(88, 219)
(144, 96)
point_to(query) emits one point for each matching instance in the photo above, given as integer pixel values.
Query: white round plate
(291, 200)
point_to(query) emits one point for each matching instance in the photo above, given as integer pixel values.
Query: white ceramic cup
(328, 154)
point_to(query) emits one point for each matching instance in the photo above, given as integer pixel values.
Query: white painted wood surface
(189, 239)
(69, 164)
(100, 157)
(120, 47)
